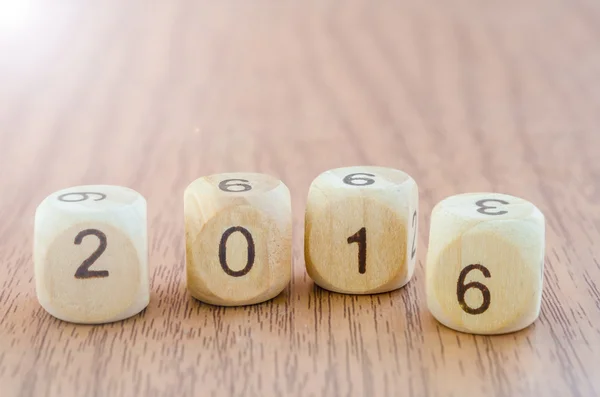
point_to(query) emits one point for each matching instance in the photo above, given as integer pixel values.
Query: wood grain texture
(464, 96)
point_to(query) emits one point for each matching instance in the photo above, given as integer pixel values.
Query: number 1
(360, 237)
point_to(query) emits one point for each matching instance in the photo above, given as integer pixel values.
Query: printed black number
(360, 237)
(235, 187)
(80, 196)
(223, 251)
(461, 289)
(83, 271)
(352, 179)
(484, 209)
(414, 246)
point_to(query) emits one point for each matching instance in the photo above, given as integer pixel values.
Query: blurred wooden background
(464, 96)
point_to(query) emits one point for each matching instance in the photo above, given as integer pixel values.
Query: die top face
(207, 196)
(361, 177)
(485, 263)
(487, 206)
(94, 198)
(236, 184)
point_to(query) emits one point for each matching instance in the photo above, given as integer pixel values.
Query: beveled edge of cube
(216, 301)
(136, 308)
(509, 330)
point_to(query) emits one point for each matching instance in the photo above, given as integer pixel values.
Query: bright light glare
(16, 15)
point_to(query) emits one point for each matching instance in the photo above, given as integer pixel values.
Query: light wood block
(361, 228)
(238, 229)
(91, 254)
(485, 263)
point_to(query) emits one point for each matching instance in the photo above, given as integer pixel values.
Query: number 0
(223, 251)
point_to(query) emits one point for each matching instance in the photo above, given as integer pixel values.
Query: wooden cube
(485, 263)
(238, 229)
(361, 229)
(91, 254)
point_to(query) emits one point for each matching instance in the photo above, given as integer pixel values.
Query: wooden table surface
(464, 96)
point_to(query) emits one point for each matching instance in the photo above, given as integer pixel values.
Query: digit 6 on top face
(485, 263)
(361, 228)
(90, 254)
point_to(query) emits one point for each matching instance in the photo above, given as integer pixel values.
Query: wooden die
(238, 229)
(91, 254)
(361, 228)
(485, 263)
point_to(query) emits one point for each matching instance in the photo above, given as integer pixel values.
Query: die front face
(485, 263)
(90, 254)
(360, 229)
(238, 238)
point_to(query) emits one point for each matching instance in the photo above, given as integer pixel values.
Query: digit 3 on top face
(485, 262)
(360, 229)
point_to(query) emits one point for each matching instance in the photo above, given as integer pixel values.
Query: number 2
(83, 271)
(414, 245)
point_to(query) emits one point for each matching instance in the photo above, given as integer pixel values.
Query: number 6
(226, 187)
(353, 179)
(461, 289)
(82, 196)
